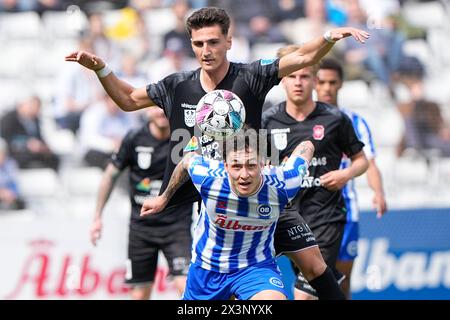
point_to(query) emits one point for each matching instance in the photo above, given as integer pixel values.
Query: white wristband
(327, 37)
(103, 72)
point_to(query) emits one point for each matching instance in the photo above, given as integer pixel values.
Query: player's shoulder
(178, 77)
(272, 112)
(330, 110)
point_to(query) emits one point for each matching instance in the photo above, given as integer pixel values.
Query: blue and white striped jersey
(234, 232)
(363, 132)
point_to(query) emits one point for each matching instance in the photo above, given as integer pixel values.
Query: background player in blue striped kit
(233, 248)
(329, 80)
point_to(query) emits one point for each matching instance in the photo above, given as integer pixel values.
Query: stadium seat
(23, 25)
(426, 15)
(354, 94)
(60, 25)
(81, 181)
(159, 21)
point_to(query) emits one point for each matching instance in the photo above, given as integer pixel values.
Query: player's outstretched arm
(109, 178)
(124, 95)
(312, 51)
(305, 149)
(336, 179)
(179, 176)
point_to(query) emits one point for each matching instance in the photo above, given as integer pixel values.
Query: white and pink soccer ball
(220, 114)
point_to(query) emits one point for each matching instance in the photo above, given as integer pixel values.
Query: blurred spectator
(102, 128)
(285, 10)
(21, 129)
(76, 89)
(174, 59)
(101, 44)
(240, 50)
(425, 127)
(253, 21)
(311, 26)
(130, 73)
(9, 194)
(15, 5)
(49, 5)
(180, 9)
(382, 53)
(129, 32)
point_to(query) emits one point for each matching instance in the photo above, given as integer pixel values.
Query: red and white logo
(318, 132)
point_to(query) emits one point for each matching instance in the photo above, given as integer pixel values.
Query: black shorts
(143, 247)
(329, 237)
(292, 233)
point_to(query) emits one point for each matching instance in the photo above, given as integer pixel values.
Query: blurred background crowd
(58, 127)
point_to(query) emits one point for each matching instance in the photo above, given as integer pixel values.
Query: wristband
(327, 37)
(103, 72)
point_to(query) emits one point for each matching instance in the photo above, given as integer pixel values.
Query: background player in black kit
(179, 93)
(331, 131)
(144, 152)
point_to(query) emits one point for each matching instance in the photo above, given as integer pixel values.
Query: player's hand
(379, 203)
(334, 180)
(344, 32)
(86, 59)
(96, 231)
(153, 206)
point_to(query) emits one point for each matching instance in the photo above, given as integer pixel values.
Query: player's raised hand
(344, 32)
(86, 59)
(153, 206)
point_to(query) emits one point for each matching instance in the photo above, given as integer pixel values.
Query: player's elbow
(186, 158)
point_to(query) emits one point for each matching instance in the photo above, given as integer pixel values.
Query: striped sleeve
(293, 172)
(366, 137)
(198, 170)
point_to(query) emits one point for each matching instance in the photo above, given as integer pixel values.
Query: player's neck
(209, 79)
(159, 133)
(299, 111)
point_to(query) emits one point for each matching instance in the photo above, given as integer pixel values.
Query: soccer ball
(220, 114)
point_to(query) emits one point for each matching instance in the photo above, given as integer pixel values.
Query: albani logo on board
(377, 269)
(46, 275)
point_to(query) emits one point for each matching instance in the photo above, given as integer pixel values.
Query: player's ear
(229, 41)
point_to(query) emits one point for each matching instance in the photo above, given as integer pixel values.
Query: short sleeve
(263, 76)
(293, 172)
(365, 136)
(348, 140)
(123, 157)
(161, 94)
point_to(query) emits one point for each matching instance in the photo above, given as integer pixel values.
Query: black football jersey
(146, 159)
(179, 93)
(332, 134)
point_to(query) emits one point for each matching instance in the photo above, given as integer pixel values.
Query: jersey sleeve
(161, 94)
(348, 140)
(263, 75)
(365, 135)
(293, 171)
(198, 170)
(123, 157)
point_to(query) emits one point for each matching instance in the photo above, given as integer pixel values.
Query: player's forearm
(107, 183)
(305, 150)
(120, 92)
(374, 178)
(358, 166)
(179, 176)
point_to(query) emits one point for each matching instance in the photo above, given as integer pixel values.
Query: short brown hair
(246, 139)
(207, 17)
